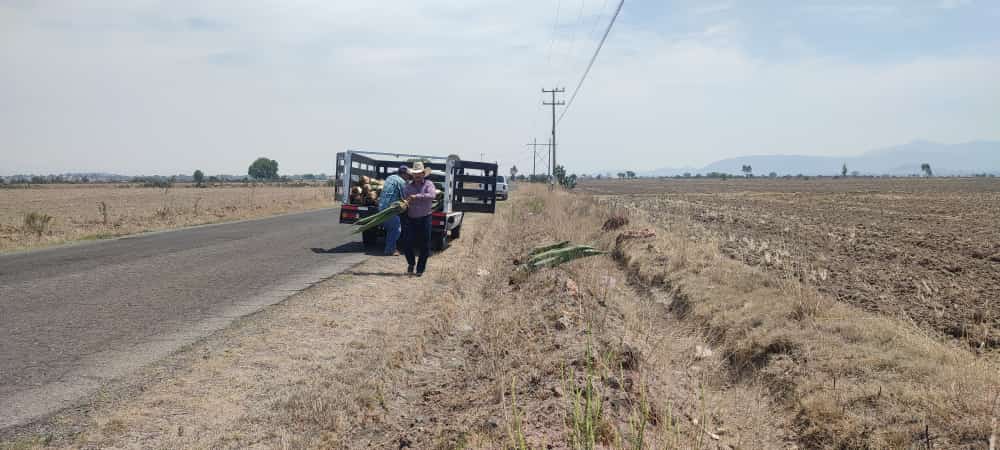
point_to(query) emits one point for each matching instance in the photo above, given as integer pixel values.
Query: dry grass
(574, 357)
(94, 212)
(853, 379)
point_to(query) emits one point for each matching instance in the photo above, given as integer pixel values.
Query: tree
(747, 171)
(513, 172)
(843, 170)
(199, 178)
(630, 174)
(927, 169)
(569, 182)
(773, 174)
(560, 174)
(621, 175)
(263, 169)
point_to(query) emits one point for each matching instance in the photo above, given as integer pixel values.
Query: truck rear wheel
(456, 232)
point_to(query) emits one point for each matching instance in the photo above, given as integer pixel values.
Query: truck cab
(501, 187)
(469, 186)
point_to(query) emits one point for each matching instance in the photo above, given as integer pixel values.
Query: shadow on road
(379, 274)
(349, 247)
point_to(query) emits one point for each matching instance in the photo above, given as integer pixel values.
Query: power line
(555, 29)
(571, 49)
(592, 59)
(597, 19)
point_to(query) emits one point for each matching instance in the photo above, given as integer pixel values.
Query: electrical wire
(571, 49)
(552, 41)
(592, 59)
(597, 20)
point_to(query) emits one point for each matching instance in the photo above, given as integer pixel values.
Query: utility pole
(534, 153)
(552, 144)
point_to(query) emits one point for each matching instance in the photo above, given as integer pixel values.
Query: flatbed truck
(469, 186)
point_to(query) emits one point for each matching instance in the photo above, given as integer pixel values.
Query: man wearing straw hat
(419, 194)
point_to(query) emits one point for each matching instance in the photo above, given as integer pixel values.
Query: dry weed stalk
(105, 211)
(36, 223)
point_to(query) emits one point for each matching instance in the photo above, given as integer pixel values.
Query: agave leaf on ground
(572, 249)
(547, 247)
(560, 255)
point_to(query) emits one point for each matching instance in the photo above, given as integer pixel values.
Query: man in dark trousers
(419, 194)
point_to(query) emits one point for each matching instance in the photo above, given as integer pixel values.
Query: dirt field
(101, 211)
(925, 250)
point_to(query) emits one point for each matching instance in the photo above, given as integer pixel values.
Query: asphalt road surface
(74, 318)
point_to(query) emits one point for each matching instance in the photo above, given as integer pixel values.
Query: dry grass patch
(572, 357)
(42, 216)
(852, 378)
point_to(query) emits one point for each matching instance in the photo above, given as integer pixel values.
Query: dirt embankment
(665, 343)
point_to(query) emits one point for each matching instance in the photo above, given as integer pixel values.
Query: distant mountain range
(957, 159)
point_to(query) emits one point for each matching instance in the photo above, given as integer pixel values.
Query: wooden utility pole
(552, 144)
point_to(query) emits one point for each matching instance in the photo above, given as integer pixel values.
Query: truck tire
(439, 241)
(456, 232)
(369, 238)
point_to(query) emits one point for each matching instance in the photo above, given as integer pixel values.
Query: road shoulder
(285, 358)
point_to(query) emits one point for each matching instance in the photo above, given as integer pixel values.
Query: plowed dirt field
(925, 250)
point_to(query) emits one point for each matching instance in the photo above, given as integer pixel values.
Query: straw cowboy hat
(419, 167)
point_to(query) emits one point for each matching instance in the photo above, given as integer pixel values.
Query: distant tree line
(747, 171)
(559, 175)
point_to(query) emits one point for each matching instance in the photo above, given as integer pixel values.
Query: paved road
(73, 318)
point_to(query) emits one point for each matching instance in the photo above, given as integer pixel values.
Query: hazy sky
(169, 86)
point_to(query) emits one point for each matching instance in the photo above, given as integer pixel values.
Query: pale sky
(170, 86)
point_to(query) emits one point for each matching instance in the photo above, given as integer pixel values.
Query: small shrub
(614, 222)
(37, 223)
